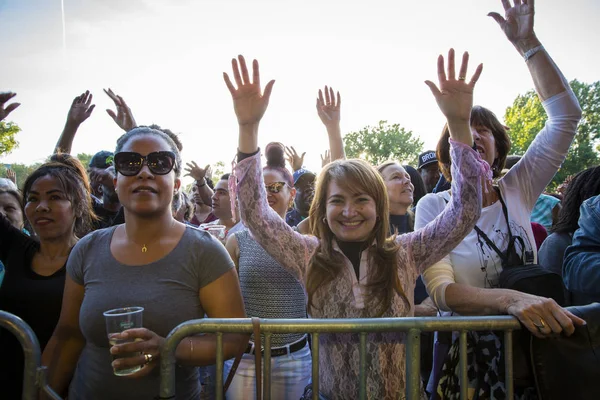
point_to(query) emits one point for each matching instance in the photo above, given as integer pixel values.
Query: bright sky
(166, 59)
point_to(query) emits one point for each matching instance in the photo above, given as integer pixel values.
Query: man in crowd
(429, 169)
(221, 207)
(304, 182)
(581, 268)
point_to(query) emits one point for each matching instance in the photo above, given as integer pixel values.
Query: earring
(325, 221)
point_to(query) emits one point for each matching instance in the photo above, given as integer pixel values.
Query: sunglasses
(275, 187)
(129, 163)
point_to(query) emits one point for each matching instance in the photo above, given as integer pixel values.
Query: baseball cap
(300, 173)
(427, 158)
(102, 159)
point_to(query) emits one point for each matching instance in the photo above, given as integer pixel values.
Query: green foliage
(85, 159)
(383, 142)
(8, 131)
(526, 117)
(218, 170)
(22, 171)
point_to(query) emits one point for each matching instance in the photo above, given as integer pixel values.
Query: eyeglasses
(129, 163)
(275, 187)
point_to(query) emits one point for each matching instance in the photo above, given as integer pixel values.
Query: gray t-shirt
(167, 289)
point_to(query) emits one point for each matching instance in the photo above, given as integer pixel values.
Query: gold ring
(541, 325)
(462, 78)
(148, 357)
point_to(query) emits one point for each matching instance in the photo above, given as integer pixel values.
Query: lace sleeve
(291, 249)
(431, 243)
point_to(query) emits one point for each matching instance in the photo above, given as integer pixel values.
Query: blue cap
(300, 172)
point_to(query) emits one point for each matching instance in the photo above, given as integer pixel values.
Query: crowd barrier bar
(412, 326)
(34, 375)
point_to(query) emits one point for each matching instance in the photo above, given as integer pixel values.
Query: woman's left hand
(517, 23)
(146, 346)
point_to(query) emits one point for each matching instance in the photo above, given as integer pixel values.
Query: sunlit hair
(411, 214)
(181, 199)
(357, 177)
(584, 185)
(274, 153)
(73, 180)
(480, 116)
(145, 131)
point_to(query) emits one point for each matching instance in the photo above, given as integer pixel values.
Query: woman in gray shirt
(176, 273)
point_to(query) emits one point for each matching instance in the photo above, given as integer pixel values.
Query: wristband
(203, 183)
(531, 52)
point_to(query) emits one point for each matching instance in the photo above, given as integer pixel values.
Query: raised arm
(329, 111)
(455, 99)
(80, 110)
(289, 248)
(200, 175)
(295, 160)
(4, 98)
(549, 149)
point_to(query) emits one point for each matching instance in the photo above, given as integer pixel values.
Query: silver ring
(148, 357)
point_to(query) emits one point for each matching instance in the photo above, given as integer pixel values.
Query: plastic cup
(217, 231)
(117, 321)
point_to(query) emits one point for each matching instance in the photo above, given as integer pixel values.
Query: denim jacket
(581, 267)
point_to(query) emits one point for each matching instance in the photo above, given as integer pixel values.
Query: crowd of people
(353, 241)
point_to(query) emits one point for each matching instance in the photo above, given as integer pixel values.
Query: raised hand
(325, 158)
(328, 108)
(124, 116)
(455, 95)
(4, 111)
(11, 175)
(248, 101)
(517, 22)
(196, 172)
(294, 159)
(81, 108)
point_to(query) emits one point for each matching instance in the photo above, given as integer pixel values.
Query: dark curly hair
(584, 185)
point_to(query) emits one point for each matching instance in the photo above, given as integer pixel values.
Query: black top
(34, 298)
(107, 218)
(353, 251)
(399, 223)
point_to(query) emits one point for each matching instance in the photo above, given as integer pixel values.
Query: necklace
(144, 247)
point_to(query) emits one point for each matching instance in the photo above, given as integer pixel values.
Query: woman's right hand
(328, 108)
(543, 317)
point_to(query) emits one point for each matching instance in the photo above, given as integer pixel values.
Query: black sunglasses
(129, 163)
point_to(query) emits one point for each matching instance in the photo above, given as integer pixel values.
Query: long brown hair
(356, 176)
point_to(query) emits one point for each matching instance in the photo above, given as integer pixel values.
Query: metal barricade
(34, 375)
(413, 327)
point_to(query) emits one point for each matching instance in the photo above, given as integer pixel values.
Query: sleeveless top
(269, 290)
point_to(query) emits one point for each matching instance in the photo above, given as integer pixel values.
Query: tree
(85, 159)
(383, 142)
(8, 131)
(218, 171)
(526, 117)
(22, 171)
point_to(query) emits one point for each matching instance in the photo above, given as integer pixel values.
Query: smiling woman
(58, 207)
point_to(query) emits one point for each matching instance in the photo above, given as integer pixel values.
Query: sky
(166, 58)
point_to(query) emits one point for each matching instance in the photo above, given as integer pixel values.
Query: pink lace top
(339, 353)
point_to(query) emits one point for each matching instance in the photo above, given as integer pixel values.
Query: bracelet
(531, 52)
(203, 183)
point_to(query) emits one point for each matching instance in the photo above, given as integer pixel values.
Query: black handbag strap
(485, 237)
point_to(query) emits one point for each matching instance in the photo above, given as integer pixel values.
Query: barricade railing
(34, 375)
(412, 326)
